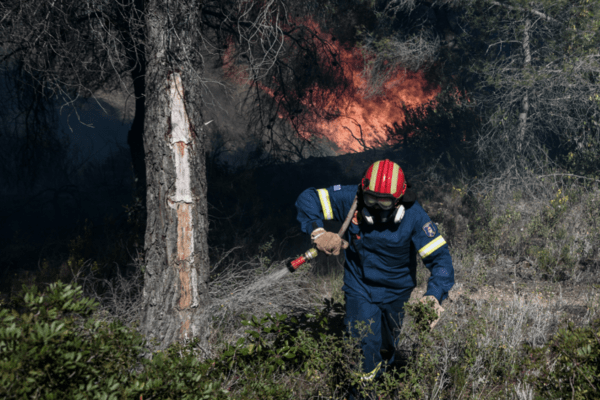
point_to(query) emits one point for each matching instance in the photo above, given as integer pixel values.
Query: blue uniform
(381, 261)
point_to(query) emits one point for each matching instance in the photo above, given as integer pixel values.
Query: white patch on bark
(181, 137)
(180, 133)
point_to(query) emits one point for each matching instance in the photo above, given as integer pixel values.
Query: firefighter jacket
(381, 260)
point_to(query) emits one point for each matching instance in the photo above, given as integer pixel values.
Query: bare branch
(532, 11)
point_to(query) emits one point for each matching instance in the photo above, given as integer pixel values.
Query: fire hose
(313, 252)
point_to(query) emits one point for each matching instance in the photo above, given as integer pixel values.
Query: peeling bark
(185, 232)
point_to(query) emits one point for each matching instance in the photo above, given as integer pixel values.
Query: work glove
(436, 306)
(328, 242)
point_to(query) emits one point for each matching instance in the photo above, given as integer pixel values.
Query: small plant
(53, 349)
(423, 315)
(305, 345)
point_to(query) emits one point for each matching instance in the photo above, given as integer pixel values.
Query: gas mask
(381, 209)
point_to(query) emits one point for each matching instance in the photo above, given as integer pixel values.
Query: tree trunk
(175, 279)
(525, 101)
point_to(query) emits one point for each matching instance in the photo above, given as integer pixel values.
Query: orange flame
(356, 117)
(359, 116)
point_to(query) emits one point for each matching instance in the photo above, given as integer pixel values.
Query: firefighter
(388, 231)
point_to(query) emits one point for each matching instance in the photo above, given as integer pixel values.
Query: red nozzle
(309, 255)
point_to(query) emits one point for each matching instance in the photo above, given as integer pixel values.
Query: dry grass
(120, 297)
(256, 287)
(242, 288)
(483, 337)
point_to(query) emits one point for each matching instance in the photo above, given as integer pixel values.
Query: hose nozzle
(309, 255)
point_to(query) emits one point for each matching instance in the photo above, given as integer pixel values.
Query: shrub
(309, 345)
(569, 365)
(555, 234)
(51, 347)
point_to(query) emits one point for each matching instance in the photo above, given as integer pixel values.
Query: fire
(367, 118)
(353, 120)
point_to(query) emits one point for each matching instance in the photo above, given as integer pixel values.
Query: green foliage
(583, 34)
(450, 358)
(582, 159)
(53, 348)
(310, 348)
(536, 56)
(489, 227)
(592, 205)
(496, 360)
(308, 345)
(569, 365)
(551, 244)
(494, 232)
(556, 237)
(422, 313)
(176, 373)
(468, 353)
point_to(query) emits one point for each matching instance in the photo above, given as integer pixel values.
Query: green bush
(51, 347)
(53, 350)
(307, 345)
(556, 236)
(310, 348)
(176, 373)
(568, 365)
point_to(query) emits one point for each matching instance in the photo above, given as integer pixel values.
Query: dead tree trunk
(175, 279)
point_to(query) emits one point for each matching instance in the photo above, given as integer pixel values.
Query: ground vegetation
(521, 315)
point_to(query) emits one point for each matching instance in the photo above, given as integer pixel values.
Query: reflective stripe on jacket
(381, 261)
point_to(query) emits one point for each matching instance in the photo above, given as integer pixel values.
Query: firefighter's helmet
(384, 179)
(382, 188)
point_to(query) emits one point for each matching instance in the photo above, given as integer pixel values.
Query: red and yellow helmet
(384, 179)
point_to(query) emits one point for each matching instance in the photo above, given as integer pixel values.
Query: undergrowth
(52, 346)
(554, 236)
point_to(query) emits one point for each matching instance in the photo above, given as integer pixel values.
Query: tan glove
(328, 242)
(436, 306)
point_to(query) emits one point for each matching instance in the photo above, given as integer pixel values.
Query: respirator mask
(381, 209)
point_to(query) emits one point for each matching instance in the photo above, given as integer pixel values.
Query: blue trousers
(385, 321)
